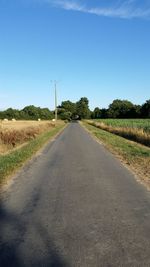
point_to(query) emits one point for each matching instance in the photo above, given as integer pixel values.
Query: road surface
(75, 205)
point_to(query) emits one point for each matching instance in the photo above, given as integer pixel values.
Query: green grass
(125, 128)
(134, 155)
(127, 149)
(12, 161)
(129, 123)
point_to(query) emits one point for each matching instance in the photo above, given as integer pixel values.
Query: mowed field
(133, 129)
(16, 133)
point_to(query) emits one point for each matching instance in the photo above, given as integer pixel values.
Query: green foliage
(28, 113)
(96, 114)
(145, 109)
(79, 110)
(82, 108)
(120, 109)
(10, 114)
(123, 109)
(69, 106)
(67, 110)
(66, 115)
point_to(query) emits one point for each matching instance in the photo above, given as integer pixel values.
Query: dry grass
(16, 133)
(14, 158)
(135, 134)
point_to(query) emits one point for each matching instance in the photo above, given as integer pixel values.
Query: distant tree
(134, 112)
(145, 109)
(33, 113)
(120, 109)
(82, 108)
(46, 114)
(69, 106)
(104, 113)
(10, 113)
(96, 114)
(1, 115)
(67, 110)
(66, 115)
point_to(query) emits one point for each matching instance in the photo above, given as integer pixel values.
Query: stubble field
(20, 140)
(17, 133)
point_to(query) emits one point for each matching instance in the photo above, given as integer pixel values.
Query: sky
(99, 49)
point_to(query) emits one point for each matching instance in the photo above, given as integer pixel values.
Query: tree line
(80, 110)
(122, 109)
(28, 113)
(117, 109)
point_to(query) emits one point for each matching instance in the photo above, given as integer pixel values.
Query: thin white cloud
(125, 9)
(69, 5)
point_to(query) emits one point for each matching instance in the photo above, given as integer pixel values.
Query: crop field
(133, 129)
(17, 133)
(143, 124)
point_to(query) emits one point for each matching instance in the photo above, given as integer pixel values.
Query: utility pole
(55, 88)
(55, 102)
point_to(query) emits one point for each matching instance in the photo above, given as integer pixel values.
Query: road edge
(9, 179)
(130, 168)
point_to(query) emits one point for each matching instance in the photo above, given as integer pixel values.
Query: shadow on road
(16, 251)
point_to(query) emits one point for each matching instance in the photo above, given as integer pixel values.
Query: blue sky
(99, 49)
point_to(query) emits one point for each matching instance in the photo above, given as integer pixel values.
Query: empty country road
(74, 205)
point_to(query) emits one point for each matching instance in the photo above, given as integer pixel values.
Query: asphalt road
(75, 205)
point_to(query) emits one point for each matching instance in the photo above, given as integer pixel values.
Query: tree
(145, 109)
(69, 106)
(10, 113)
(120, 109)
(104, 113)
(67, 110)
(83, 108)
(33, 113)
(96, 114)
(66, 115)
(135, 112)
(46, 114)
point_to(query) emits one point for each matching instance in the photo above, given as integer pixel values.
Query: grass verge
(9, 163)
(134, 134)
(133, 155)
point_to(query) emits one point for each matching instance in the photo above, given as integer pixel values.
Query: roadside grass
(134, 155)
(10, 162)
(132, 133)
